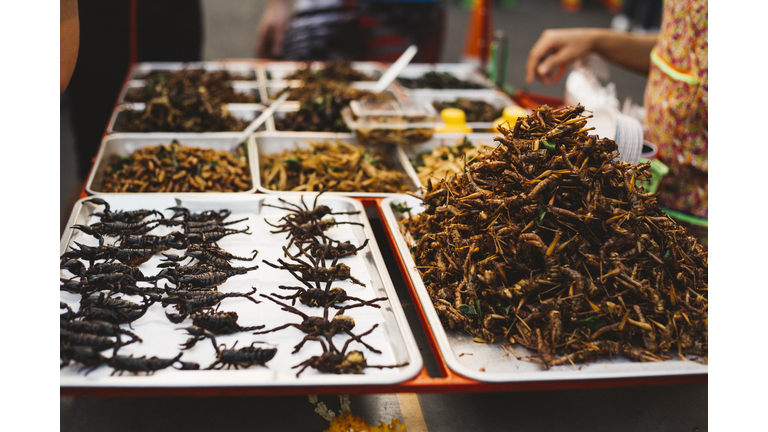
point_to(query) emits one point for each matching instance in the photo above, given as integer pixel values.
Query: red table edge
(423, 383)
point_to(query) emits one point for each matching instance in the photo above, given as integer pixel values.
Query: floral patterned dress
(676, 106)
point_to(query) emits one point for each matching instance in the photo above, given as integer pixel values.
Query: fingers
(269, 42)
(540, 49)
(277, 42)
(554, 51)
(552, 67)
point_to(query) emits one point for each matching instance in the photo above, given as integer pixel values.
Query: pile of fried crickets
(549, 243)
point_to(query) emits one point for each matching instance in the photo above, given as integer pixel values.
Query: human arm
(559, 48)
(272, 28)
(69, 29)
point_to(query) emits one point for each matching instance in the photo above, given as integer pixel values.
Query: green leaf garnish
(400, 208)
(372, 161)
(548, 145)
(293, 160)
(593, 322)
(542, 212)
(467, 310)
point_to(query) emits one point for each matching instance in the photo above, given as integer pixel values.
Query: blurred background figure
(363, 30)
(639, 16)
(676, 97)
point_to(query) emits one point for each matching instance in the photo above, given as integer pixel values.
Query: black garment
(167, 30)
(650, 12)
(365, 30)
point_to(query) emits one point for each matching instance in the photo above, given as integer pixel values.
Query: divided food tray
(490, 363)
(245, 112)
(162, 338)
(443, 140)
(278, 71)
(267, 143)
(495, 98)
(462, 71)
(126, 144)
(245, 68)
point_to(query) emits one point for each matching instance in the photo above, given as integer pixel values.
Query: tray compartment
(278, 71)
(495, 98)
(267, 143)
(246, 69)
(125, 144)
(462, 71)
(244, 112)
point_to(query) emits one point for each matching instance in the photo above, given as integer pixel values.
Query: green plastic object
(658, 170)
(682, 217)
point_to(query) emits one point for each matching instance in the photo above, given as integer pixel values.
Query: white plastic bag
(582, 86)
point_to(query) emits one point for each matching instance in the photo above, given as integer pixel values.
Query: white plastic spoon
(261, 118)
(395, 69)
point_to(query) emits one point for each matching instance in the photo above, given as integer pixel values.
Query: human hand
(555, 50)
(272, 28)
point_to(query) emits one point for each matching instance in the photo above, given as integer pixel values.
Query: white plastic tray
(267, 143)
(162, 338)
(126, 144)
(489, 362)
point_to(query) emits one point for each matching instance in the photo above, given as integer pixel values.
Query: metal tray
(441, 140)
(125, 144)
(245, 112)
(162, 338)
(277, 71)
(496, 98)
(462, 71)
(489, 363)
(242, 67)
(275, 142)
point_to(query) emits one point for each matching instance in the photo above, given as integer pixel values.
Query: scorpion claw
(187, 366)
(175, 318)
(88, 230)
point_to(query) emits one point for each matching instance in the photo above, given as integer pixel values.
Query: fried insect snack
(438, 80)
(549, 243)
(163, 115)
(349, 167)
(185, 101)
(393, 136)
(321, 105)
(184, 83)
(179, 168)
(337, 70)
(475, 110)
(442, 161)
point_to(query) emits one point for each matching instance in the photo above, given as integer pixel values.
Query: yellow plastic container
(455, 121)
(509, 115)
